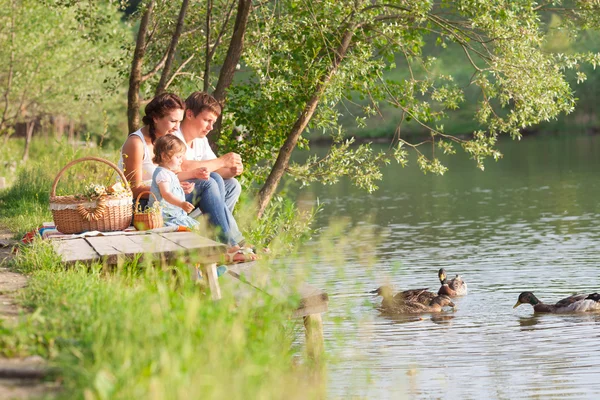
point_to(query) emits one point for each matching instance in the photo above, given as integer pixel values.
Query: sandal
(241, 255)
(255, 250)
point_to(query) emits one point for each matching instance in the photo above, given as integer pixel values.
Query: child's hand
(201, 173)
(187, 187)
(187, 207)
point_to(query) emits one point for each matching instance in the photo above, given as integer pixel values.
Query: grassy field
(144, 331)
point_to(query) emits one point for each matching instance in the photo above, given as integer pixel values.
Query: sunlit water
(529, 222)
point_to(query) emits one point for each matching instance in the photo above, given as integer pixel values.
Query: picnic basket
(151, 218)
(106, 213)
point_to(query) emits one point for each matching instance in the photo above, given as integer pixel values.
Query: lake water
(529, 222)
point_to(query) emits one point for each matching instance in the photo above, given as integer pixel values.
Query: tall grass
(145, 330)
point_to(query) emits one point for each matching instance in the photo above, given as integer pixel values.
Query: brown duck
(451, 287)
(411, 301)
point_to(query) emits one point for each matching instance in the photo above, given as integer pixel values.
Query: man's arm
(228, 165)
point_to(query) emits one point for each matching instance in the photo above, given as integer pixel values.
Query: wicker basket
(150, 220)
(105, 214)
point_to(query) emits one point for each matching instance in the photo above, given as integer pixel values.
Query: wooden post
(314, 336)
(209, 274)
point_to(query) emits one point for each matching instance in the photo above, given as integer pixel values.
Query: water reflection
(527, 323)
(529, 223)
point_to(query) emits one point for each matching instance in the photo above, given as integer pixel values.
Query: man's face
(202, 123)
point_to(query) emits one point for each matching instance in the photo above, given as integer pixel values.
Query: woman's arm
(133, 156)
(165, 192)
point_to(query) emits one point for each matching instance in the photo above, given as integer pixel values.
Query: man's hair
(166, 147)
(202, 101)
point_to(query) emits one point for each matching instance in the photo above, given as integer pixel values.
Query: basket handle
(69, 165)
(137, 200)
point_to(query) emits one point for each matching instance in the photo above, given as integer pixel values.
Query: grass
(144, 331)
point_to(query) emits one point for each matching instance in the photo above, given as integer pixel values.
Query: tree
(302, 63)
(55, 62)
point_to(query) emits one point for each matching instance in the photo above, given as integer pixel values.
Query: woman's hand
(187, 187)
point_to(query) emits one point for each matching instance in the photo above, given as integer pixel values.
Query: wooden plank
(313, 325)
(193, 241)
(155, 243)
(75, 250)
(114, 248)
(208, 250)
(312, 301)
(209, 272)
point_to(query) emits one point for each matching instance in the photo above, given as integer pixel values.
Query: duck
(453, 287)
(573, 304)
(411, 301)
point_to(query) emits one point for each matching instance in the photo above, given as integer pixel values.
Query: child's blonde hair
(166, 147)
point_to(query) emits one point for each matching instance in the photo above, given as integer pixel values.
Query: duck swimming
(411, 301)
(572, 304)
(453, 287)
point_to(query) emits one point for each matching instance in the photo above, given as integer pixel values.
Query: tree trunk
(28, 135)
(164, 77)
(71, 133)
(135, 78)
(59, 126)
(9, 77)
(207, 58)
(283, 159)
(232, 59)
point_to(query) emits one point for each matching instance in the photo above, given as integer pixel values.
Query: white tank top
(148, 166)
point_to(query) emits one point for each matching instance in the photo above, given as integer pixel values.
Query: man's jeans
(209, 196)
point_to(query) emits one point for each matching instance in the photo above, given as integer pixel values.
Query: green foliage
(283, 226)
(514, 78)
(459, 72)
(57, 60)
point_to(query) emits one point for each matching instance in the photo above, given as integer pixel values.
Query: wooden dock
(114, 249)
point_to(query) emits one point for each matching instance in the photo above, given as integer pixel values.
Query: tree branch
(172, 47)
(178, 72)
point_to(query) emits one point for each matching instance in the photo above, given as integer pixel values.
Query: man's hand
(187, 187)
(187, 207)
(237, 170)
(231, 160)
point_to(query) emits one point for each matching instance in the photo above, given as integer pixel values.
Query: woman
(163, 116)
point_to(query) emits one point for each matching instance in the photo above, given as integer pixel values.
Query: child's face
(174, 163)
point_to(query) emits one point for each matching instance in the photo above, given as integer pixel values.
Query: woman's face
(169, 123)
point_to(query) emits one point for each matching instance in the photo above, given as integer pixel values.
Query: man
(201, 113)
(215, 189)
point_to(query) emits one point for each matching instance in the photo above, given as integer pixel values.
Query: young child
(169, 152)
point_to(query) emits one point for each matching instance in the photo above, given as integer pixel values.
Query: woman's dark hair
(158, 107)
(166, 147)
